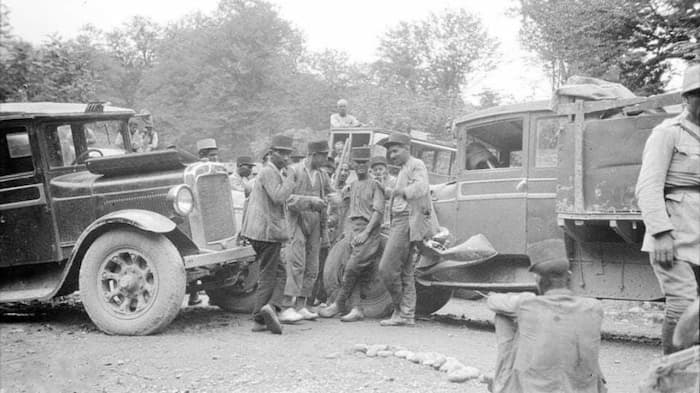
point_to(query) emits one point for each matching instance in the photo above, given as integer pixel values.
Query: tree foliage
(625, 40)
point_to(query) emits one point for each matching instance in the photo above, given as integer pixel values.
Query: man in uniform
(305, 207)
(365, 213)
(265, 226)
(550, 342)
(668, 194)
(240, 179)
(207, 150)
(342, 119)
(411, 223)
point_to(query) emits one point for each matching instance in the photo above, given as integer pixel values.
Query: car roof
(533, 106)
(24, 110)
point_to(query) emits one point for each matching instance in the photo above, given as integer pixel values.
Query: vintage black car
(132, 231)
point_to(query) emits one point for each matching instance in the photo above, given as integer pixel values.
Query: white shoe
(290, 315)
(308, 315)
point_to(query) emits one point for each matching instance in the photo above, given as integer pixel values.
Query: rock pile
(455, 370)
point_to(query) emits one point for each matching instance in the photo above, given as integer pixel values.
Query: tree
(626, 40)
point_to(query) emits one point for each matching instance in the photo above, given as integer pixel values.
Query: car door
(27, 233)
(491, 192)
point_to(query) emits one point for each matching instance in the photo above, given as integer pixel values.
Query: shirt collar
(687, 124)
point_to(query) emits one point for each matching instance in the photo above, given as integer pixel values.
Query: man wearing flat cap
(265, 226)
(240, 179)
(207, 150)
(548, 342)
(668, 194)
(411, 223)
(305, 208)
(365, 218)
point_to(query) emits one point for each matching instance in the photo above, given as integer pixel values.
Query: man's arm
(278, 192)
(656, 159)
(421, 184)
(334, 121)
(507, 303)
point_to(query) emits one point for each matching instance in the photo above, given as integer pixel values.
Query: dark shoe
(258, 327)
(271, 321)
(329, 312)
(194, 299)
(353, 316)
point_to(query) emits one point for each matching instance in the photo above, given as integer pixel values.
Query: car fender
(144, 220)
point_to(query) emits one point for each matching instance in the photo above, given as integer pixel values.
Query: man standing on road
(411, 223)
(342, 119)
(550, 342)
(301, 253)
(668, 194)
(265, 226)
(365, 213)
(240, 180)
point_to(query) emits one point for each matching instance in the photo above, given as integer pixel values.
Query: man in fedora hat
(305, 206)
(265, 226)
(411, 223)
(207, 150)
(548, 342)
(240, 179)
(668, 194)
(365, 214)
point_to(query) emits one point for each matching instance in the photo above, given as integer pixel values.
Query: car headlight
(182, 199)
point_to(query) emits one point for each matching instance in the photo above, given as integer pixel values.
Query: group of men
(287, 223)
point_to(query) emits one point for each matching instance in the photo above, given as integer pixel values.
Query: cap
(395, 138)
(691, 78)
(318, 147)
(360, 154)
(377, 160)
(245, 160)
(147, 119)
(548, 256)
(207, 143)
(281, 142)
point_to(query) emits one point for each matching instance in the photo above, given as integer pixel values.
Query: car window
(71, 143)
(442, 164)
(495, 145)
(15, 151)
(547, 134)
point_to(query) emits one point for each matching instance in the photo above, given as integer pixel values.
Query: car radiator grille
(216, 207)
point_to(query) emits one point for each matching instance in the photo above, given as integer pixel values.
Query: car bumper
(231, 255)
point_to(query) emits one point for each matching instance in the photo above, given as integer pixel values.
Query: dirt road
(208, 350)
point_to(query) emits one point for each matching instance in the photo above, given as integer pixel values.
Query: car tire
(132, 282)
(237, 299)
(431, 298)
(375, 302)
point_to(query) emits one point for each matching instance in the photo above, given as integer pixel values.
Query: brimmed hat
(377, 160)
(396, 138)
(207, 143)
(548, 256)
(691, 78)
(245, 160)
(360, 154)
(318, 147)
(282, 142)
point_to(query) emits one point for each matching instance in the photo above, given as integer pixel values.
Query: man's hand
(360, 238)
(318, 204)
(663, 250)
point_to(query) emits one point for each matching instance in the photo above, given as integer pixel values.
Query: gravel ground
(57, 349)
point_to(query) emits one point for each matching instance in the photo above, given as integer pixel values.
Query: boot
(271, 321)
(330, 311)
(353, 316)
(290, 315)
(667, 335)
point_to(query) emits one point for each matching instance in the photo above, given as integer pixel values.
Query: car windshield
(71, 143)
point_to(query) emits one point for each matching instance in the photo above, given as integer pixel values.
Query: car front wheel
(132, 282)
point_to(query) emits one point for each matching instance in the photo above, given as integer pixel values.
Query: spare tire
(239, 298)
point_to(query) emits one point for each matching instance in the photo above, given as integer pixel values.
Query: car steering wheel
(85, 155)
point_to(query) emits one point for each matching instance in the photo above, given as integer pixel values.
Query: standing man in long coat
(668, 191)
(411, 223)
(265, 226)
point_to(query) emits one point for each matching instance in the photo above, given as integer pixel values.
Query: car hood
(85, 183)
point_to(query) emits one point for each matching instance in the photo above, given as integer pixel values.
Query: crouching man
(549, 342)
(365, 214)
